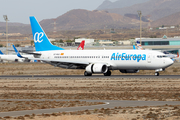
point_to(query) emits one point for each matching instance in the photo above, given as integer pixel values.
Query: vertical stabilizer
(41, 41)
(134, 47)
(17, 53)
(139, 45)
(81, 46)
(1, 53)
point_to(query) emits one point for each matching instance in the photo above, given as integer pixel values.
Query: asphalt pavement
(107, 104)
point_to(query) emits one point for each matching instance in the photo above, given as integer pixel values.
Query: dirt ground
(105, 89)
(46, 69)
(146, 89)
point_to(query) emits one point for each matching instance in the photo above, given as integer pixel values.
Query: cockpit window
(162, 56)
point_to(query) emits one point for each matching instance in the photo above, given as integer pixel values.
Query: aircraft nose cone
(170, 62)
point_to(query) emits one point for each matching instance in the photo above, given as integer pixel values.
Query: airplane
(168, 54)
(96, 61)
(81, 46)
(139, 45)
(13, 58)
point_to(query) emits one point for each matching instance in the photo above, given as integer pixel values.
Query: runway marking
(109, 104)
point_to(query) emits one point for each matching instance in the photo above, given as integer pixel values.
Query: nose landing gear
(158, 70)
(156, 73)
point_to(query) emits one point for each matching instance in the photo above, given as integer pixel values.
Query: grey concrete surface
(108, 104)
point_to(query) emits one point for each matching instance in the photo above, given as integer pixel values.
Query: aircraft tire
(87, 74)
(156, 73)
(108, 73)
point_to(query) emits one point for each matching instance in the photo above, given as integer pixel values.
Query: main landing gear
(108, 73)
(87, 74)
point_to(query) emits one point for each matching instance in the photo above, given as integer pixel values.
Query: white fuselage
(14, 58)
(115, 59)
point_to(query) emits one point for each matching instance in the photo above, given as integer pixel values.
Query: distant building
(106, 42)
(51, 39)
(171, 45)
(160, 41)
(87, 41)
(163, 28)
(124, 42)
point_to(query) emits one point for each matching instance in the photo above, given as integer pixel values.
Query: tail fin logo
(80, 48)
(38, 37)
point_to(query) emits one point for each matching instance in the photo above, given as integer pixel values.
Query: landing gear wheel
(87, 74)
(108, 73)
(156, 73)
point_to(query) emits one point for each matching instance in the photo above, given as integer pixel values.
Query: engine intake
(97, 68)
(129, 71)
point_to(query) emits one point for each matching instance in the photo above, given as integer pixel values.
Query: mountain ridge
(173, 19)
(83, 19)
(153, 8)
(119, 4)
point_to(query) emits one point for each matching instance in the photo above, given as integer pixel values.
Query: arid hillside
(153, 8)
(89, 20)
(169, 20)
(107, 4)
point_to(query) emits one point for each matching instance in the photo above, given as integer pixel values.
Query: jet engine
(129, 71)
(97, 68)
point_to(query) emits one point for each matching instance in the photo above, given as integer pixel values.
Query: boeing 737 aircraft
(96, 61)
(13, 58)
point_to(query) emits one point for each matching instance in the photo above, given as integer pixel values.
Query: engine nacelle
(97, 68)
(129, 71)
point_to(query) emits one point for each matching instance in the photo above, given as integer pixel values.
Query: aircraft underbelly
(129, 65)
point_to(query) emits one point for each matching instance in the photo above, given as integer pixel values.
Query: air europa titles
(125, 57)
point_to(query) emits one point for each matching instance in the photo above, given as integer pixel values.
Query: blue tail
(1, 53)
(41, 41)
(134, 47)
(18, 54)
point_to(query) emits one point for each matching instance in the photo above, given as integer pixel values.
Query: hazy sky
(20, 10)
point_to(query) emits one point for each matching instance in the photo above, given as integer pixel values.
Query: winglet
(18, 54)
(1, 53)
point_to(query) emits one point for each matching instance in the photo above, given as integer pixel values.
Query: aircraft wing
(60, 61)
(65, 64)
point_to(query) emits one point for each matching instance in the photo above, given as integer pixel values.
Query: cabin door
(149, 58)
